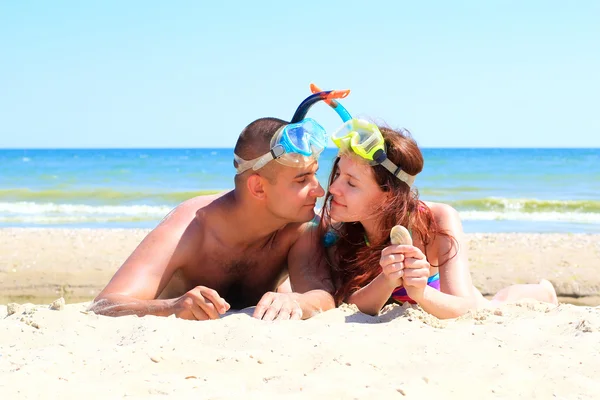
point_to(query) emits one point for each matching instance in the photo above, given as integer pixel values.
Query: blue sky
(193, 74)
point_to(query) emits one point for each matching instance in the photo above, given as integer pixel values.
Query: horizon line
(327, 148)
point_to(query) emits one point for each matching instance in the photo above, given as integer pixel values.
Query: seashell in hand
(400, 235)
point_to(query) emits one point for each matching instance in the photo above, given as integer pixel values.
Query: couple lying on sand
(262, 245)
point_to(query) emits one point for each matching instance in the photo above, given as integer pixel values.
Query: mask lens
(362, 136)
(316, 135)
(369, 139)
(305, 135)
(343, 131)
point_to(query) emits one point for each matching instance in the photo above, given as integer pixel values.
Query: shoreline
(38, 265)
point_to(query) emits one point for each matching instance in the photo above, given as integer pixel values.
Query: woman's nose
(333, 189)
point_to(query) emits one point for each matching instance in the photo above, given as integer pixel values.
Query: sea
(494, 189)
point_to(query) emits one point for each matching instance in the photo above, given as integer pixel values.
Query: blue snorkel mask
(299, 143)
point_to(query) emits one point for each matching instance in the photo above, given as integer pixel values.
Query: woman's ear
(386, 197)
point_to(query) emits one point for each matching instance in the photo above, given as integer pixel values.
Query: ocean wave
(73, 219)
(444, 191)
(506, 206)
(576, 217)
(27, 209)
(95, 196)
(489, 210)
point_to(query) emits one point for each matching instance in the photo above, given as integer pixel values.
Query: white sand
(528, 350)
(40, 264)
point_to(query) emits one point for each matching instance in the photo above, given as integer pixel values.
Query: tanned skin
(234, 250)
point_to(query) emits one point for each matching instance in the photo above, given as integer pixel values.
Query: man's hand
(200, 303)
(278, 306)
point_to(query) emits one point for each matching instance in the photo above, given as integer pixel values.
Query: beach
(39, 264)
(521, 350)
(526, 350)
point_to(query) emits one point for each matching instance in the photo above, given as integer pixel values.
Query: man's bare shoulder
(191, 207)
(301, 230)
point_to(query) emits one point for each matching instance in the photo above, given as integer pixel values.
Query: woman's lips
(335, 203)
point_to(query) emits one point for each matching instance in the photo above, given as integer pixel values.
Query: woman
(369, 193)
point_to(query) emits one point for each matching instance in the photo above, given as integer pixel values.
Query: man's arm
(310, 279)
(136, 285)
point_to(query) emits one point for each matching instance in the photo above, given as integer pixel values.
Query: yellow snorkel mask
(366, 141)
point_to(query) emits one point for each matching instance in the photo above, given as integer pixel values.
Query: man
(213, 253)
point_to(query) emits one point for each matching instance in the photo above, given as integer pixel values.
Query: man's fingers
(284, 314)
(186, 314)
(198, 314)
(277, 306)
(206, 306)
(272, 311)
(262, 306)
(259, 311)
(210, 310)
(296, 314)
(219, 303)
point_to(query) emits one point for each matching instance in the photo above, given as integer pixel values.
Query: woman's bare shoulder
(442, 212)
(434, 205)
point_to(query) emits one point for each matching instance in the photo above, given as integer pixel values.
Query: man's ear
(256, 186)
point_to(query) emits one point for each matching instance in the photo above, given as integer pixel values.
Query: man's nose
(318, 190)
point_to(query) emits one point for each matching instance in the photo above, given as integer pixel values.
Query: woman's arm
(370, 298)
(457, 295)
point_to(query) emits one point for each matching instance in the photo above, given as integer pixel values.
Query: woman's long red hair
(355, 264)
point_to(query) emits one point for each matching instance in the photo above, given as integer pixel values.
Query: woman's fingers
(390, 259)
(406, 250)
(394, 270)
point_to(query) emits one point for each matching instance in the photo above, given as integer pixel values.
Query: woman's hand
(416, 272)
(407, 266)
(392, 264)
